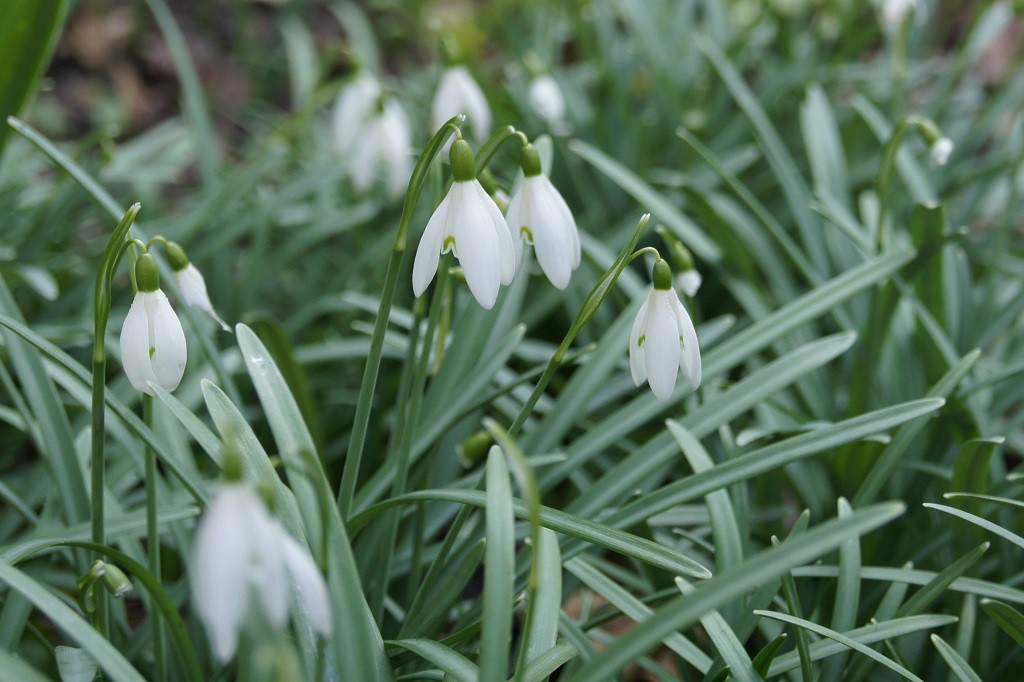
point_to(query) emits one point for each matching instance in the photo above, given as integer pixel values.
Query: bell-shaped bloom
(468, 223)
(152, 343)
(941, 151)
(193, 291)
(458, 93)
(548, 102)
(663, 340)
(385, 143)
(539, 215)
(243, 557)
(357, 103)
(895, 12)
(689, 282)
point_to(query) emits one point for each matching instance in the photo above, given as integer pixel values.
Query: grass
(839, 500)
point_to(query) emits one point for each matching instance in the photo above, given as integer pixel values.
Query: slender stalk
(153, 540)
(350, 474)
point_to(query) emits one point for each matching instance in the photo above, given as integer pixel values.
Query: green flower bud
(474, 448)
(529, 160)
(147, 274)
(176, 256)
(662, 275)
(462, 160)
(115, 580)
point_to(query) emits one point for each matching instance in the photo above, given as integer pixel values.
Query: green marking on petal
(640, 341)
(524, 231)
(152, 350)
(449, 241)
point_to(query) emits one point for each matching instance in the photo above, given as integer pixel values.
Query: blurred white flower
(688, 282)
(547, 100)
(468, 223)
(152, 341)
(895, 12)
(385, 142)
(243, 556)
(539, 215)
(193, 291)
(663, 339)
(941, 151)
(357, 102)
(458, 93)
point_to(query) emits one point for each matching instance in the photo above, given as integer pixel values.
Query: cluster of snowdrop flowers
(153, 348)
(663, 340)
(243, 557)
(372, 129)
(489, 248)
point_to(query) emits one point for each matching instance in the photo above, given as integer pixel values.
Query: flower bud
(462, 160)
(662, 275)
(115, 580)
(147, 274)
(474, 448)
(529, 161)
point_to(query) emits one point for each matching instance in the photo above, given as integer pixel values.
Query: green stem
(357, 442)
(153, 540)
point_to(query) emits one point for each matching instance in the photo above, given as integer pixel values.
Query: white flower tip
(941, 151)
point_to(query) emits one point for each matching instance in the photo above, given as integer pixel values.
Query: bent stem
(101, 313)
(357, 442)
(153, 541)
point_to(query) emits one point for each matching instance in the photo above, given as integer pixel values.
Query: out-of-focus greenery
(862, 345)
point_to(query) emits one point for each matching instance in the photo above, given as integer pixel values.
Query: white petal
(309, 583)
(135, 346)
(477, 247)
(636, 351)
(554, 233)
(269, 576)
(506, 244)
(167, 340)
(690, 357)
(220, 571)
(193, 291)
(546, 99)
(458, 93)
(429, 250)
(662, 347)
(941, 151)
(353, 107)
(363, 165)
(514, 218)
(689, 282)
(395, 143)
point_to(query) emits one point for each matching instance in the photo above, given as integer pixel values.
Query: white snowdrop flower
(191, 283)
(385, 142)
(458, 93)
(547, 100)
(663, 339)
(242, 556)
(152, 341)
(689, 282)
(539, 215)
(469, 224)
(895, 12)
(356, 104)
(941, 150)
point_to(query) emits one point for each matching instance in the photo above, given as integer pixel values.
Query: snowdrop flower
(689, 282)
(191, 283)
(356, 104)
(539, 214)
(689, 279)
(243, 556)
(152, 341)
(547, 101)
(895, 12)
(941, 150)
(663, 339)
(469, 224)
(385, 141)
(456, 94)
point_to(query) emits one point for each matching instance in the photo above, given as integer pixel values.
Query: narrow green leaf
(1006, 617)
(763, 659)
(957, 664)
(499, 570)
(548, 662)
(726, 643)
(454, 664)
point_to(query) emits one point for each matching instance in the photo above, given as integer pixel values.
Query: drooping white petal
(458, 93)
(554, 232)
(546, 99)
(220, 574)
(477, 246)
(353, 107)
(309, 582)
(506, 244)
(135, 346)
(166, 339)
(429, 250)
(269, 573)
(395, 142)
(662, 346)
(637, 367)
(941, 151)
(192, 285)
(689, 282)
(515, 218)
(363, 163)
(689, 361)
